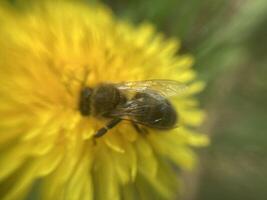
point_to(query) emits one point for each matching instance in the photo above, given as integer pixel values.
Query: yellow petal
(146, 160)
(130, 192)
(87, 190)
(55, 183)
(128, 132)
(172, 148)
(79, 179)
(12, 158)
(105, 170)
(193, 117)
(194, 88)
(49, 162)
(164, 184)
(22, 181)
(115, 142)
(125, 164)
(186, 76)
(184, 62)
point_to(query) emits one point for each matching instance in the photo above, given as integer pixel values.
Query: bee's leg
(138, 129)
(105, 129)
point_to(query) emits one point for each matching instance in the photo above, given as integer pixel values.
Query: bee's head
(85, 101)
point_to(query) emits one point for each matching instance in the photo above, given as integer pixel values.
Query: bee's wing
(164, 87)
(130, 112)
(133, 111)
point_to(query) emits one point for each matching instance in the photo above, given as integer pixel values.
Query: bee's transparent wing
(164, 87)
(133, 111)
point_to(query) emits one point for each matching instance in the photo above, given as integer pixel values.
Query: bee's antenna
(85, 78)
(81, 81)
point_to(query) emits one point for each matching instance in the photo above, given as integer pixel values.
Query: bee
(141, 102)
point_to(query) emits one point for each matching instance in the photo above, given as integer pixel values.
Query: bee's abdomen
(158, 112)
(163, 116)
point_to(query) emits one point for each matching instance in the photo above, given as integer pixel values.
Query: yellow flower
(46, 146)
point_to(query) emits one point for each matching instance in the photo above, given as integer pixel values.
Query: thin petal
(54, 184)
(80, 180)
(105, 179)
(115, 142)
(171, 147)
(13, 158)
(193, 117)
(21, 181)
(125, 164)
(147, 162)
(87, 192)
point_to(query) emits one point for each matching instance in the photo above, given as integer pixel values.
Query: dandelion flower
(46, 145)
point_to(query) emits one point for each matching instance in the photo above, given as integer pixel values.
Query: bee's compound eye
(85, 101)
(86, 92)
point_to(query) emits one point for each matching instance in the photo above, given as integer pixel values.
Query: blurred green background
(229, 41)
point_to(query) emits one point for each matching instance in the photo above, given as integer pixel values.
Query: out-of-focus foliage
(229, 40)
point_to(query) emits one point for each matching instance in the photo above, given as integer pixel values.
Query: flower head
(46, 145)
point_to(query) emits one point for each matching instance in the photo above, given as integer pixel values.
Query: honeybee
(141, 102)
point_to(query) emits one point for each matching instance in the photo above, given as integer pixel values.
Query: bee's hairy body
(147, 108)
(101, 100)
